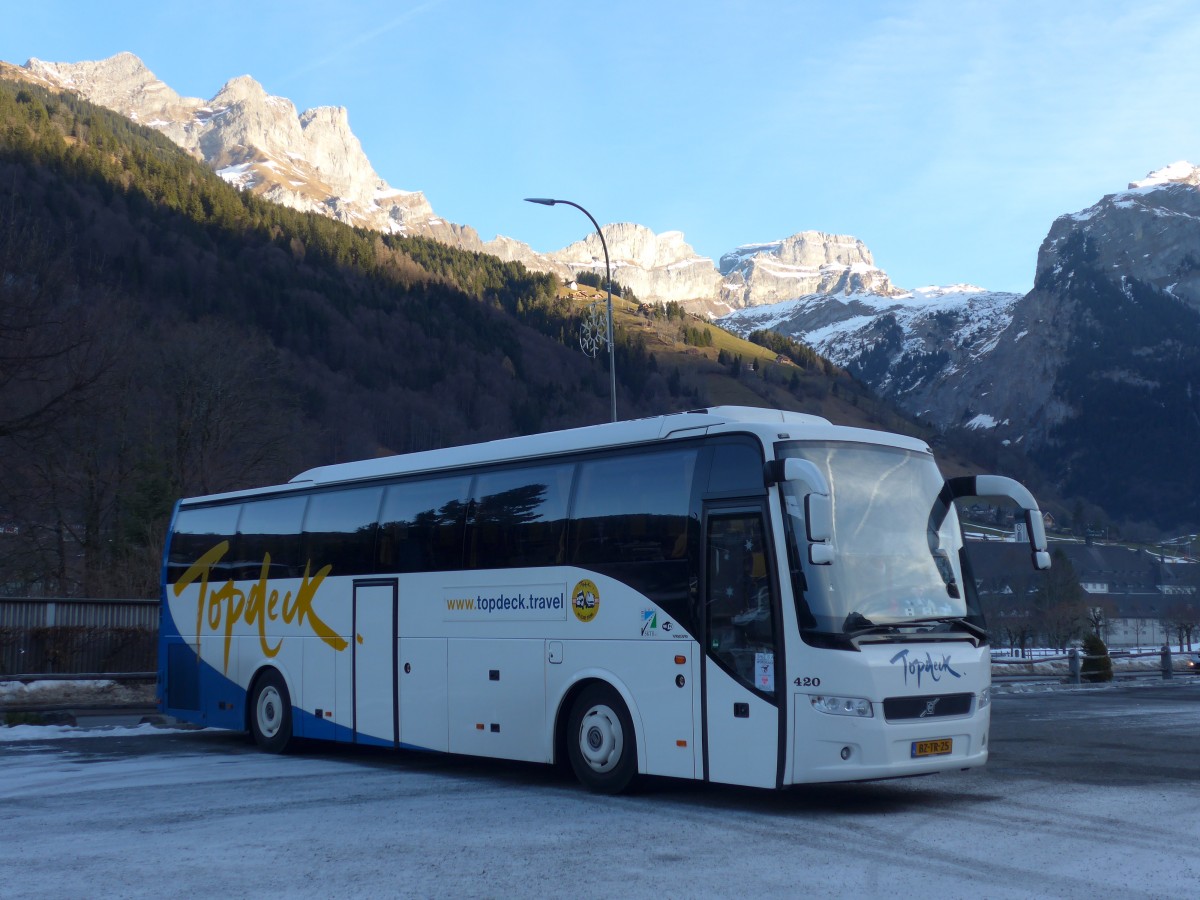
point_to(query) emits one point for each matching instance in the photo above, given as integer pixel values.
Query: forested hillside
(163, 334)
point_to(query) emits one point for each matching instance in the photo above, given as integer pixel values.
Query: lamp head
(545, 201)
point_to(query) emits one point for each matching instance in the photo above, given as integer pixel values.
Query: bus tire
(600, 740)
(271, 713)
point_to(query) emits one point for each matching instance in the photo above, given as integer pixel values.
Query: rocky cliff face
(312, 161)
(1121, 282)
(804, 264)
(657, 267)
(309, 161)
(1150, 232)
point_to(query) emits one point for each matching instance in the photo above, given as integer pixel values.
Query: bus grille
(932, 707)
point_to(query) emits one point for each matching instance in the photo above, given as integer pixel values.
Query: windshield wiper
(857, 624)
(958, 621)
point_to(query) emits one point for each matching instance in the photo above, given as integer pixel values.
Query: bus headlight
(842, 706)
(985, 698)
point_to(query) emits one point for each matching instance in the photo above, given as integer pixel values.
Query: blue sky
(946, 135)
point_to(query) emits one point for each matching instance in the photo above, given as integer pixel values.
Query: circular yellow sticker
(585, 600)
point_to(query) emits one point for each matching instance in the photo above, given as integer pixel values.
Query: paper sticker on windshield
(764, 671)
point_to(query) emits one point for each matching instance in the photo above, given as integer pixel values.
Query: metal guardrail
(1074, 659)
(76, 637)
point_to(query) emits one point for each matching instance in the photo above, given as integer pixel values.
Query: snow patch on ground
(13, 733)
(82, 693)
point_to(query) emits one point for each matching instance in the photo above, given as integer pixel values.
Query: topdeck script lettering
(229, 605)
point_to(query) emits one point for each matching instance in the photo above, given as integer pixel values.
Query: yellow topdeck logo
(585, 600)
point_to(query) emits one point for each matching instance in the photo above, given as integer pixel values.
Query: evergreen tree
(1097, 666)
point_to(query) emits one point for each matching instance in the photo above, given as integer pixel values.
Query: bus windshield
(897, 548)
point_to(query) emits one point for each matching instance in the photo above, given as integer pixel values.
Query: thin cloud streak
(365, 38)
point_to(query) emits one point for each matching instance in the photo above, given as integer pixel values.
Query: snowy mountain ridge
(312, 161)
(906, 344)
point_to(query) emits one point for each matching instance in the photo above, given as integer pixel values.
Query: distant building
(1139, 595)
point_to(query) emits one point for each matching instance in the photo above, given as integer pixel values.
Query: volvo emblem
(930, 706)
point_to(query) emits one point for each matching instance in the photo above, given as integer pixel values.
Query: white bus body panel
(424, 703)
(875, 747)
(664, 713)
(741, 749)
(497, 698)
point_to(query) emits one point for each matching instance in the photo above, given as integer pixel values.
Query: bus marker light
(479, 726)
(681, 743)
(680, 659)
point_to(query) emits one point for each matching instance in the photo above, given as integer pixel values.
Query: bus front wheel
(600, 740)
(271, 713)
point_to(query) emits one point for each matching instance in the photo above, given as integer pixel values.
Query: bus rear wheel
(600, 740)
(271, 713)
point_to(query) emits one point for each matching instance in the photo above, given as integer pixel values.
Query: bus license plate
(940, 747)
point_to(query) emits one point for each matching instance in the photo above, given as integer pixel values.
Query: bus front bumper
(842, 748)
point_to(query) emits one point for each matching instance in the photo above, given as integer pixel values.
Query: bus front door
(741, 712)
(375, 714)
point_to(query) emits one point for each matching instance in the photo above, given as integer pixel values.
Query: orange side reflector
(680, 660)
(681, 743)
(479, 726)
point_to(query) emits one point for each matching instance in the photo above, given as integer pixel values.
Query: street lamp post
(612, 360)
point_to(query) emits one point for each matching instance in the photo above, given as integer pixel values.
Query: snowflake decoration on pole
(593, 331)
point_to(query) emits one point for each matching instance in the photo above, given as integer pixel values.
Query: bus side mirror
(818, 508)
(818, 517)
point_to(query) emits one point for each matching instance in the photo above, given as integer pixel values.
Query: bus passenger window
(421, 525)
(270, 530)
(197, 531)
(741, 632)
(632, 509)
(520, 517)
(339, 530)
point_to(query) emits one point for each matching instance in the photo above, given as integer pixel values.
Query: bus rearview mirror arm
(997, 487)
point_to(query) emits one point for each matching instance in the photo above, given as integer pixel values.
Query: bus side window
(198, 530)
(339, 530)
(270, 529)
(520, 517)
(421, 525)
(737, 468)
(632, 509)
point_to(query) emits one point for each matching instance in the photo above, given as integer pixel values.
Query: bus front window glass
(421, 525)
(896, 539)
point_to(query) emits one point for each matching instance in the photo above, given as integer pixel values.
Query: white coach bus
(736, 595)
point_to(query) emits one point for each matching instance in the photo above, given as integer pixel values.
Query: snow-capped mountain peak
(1181, 172)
